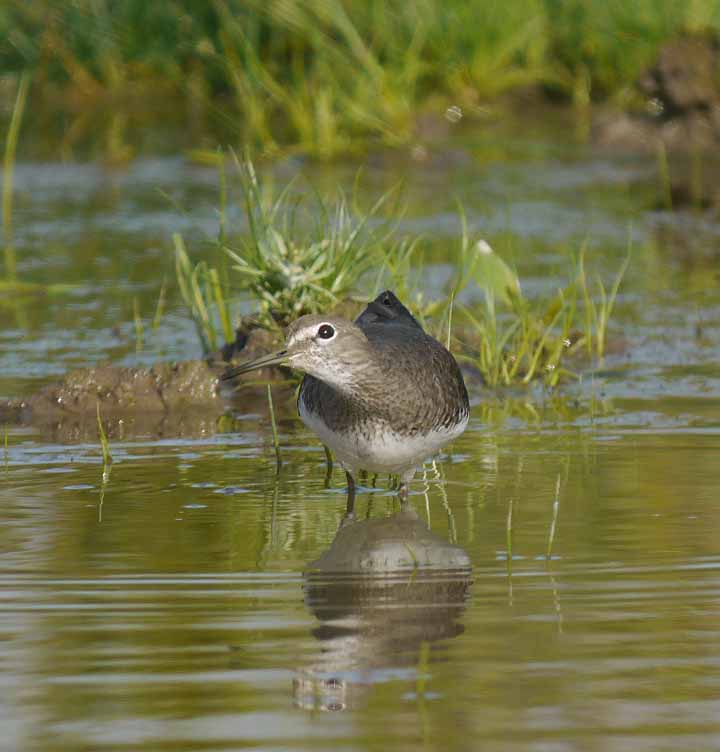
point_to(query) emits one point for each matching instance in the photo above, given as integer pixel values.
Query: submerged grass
(328, 76)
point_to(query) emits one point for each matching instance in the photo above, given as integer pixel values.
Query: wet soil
(682, 97)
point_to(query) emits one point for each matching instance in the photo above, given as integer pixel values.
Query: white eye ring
(326, 332)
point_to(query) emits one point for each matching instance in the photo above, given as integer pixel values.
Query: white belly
(381, 450)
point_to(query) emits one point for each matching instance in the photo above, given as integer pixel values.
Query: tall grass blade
(273, 423)
(159, 307)
(11, 142)
(104, 443)
(553, 523)
(139, 329)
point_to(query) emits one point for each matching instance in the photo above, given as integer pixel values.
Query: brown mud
(682, 102)
(176, 398)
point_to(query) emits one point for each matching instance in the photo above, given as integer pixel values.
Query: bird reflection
(385, 588)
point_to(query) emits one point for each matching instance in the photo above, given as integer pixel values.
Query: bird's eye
(326, 331)
(387, 301)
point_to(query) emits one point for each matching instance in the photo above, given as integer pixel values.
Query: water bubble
(654, 106)
(419, 153)
(454, 114)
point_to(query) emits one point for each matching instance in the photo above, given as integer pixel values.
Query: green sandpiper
(380, 392)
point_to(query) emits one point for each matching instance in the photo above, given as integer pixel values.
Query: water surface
(167, 604)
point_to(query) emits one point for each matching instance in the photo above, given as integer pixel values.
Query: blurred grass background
(324, 77)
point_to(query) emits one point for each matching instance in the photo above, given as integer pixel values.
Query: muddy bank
(176, 398)
(681, 92)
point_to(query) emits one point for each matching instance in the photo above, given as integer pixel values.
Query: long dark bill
(254, 365)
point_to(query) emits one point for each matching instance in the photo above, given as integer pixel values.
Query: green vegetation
(10, 284)
(519, 340)
(300, 256)
(204, 295)
(553, 523)
(292, 262)
(7, 183)
(291, 271)
(273, 423)
(104, 443)
(325, 76)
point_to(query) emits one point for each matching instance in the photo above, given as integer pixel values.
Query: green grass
(553, 523)
(273, 423)
(104, 443)
(299, 256)
(206, 298)
(515, 340)
(326, 76)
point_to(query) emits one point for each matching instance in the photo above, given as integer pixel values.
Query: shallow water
(169, 603)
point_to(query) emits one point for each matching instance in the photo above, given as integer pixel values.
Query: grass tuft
(301, 259)
(518, 340)
(205, 296)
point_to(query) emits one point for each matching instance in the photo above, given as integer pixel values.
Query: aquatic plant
(297, 257)
(295, 262)
(104, 443)
(205, 295)
(516, 340)
(273, 424)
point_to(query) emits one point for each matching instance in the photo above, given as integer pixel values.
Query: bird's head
(330, 348)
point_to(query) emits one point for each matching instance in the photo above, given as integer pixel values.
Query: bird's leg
(350, 508)
(405, 479)
(403, 493)
(328, 466)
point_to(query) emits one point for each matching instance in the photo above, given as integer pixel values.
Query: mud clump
(164, 387)
(682, 95)
(169, 399)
